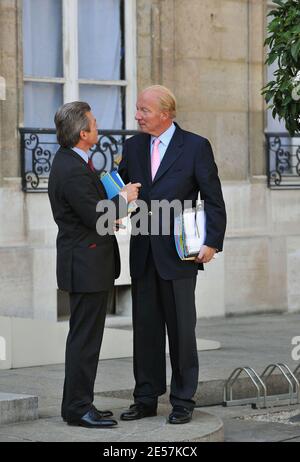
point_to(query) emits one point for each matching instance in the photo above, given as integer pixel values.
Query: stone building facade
(210, 53)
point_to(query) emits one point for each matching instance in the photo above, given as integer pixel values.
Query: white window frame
(71, 81)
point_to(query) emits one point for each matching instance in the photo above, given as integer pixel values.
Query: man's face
(91, 137)
(150, 117)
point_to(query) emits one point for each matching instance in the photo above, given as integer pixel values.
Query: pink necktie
(155, 158)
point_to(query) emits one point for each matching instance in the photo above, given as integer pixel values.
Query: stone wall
(210, 53)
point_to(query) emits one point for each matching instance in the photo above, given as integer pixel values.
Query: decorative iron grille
(283, 161)
(38, 148)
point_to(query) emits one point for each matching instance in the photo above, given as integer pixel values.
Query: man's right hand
(131, 190)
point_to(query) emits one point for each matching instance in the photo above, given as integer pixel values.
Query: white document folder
(190, 232)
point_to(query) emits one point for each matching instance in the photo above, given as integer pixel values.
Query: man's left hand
(206, 254)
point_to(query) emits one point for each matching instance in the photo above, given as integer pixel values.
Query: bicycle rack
(255, 379)
(262, 400)
(296, 370)
(293, 397)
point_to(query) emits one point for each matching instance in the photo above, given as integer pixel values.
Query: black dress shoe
(92, 419)
(103, 413)
(180, 415)
(100, 413)
(138, 411)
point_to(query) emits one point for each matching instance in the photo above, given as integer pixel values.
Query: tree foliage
(283, 93)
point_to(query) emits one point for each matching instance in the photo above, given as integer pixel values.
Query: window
(78, 49)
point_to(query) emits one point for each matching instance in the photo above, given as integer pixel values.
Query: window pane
(105, 103)
(99, 39)
(42, 30)
(41, 101)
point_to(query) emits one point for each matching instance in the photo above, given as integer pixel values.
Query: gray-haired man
(87, 263)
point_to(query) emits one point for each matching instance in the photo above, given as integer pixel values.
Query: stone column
(11, 70)
(156, 43)
(257, 14)
(15, 254)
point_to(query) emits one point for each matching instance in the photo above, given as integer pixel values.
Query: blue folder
(112, 183)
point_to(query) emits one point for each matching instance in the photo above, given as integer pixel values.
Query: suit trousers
(88, 311)
(159, 304)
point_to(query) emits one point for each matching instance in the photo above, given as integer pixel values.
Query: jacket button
(150, 213)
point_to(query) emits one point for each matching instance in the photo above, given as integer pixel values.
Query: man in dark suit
(87, 263)
(170, 163)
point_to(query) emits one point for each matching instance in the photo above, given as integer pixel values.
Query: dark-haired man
(87, 263)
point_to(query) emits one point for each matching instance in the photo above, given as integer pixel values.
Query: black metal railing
(283, 161)
(38, 148)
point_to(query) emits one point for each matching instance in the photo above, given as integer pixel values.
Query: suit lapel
(172, 153)
(144, 157)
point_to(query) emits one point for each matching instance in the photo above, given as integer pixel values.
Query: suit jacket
(74, 191)
(187, 167)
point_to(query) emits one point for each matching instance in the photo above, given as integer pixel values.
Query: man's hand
(131, 190)
(118, 224)
(205, 255)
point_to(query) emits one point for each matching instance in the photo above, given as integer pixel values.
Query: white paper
(194, 230)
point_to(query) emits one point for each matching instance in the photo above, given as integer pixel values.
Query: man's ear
(82, 135)
(164, 115)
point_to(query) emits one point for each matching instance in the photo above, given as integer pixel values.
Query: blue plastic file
(112, 183)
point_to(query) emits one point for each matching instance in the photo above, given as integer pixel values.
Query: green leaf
(268, 40)
(273, 13)
(295, 50)
(287, 100)
(296, 29)
(273, 25)
(285, 84)
(269, 96)
(271, 58)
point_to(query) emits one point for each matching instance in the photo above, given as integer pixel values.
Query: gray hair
(70, 120)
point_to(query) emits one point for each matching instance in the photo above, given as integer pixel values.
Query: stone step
(204, 427)
(17, 408)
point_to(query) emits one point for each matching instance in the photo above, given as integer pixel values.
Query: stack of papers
(189, 232)
(113, 184)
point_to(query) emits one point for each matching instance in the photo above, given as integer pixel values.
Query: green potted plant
(283, 41)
